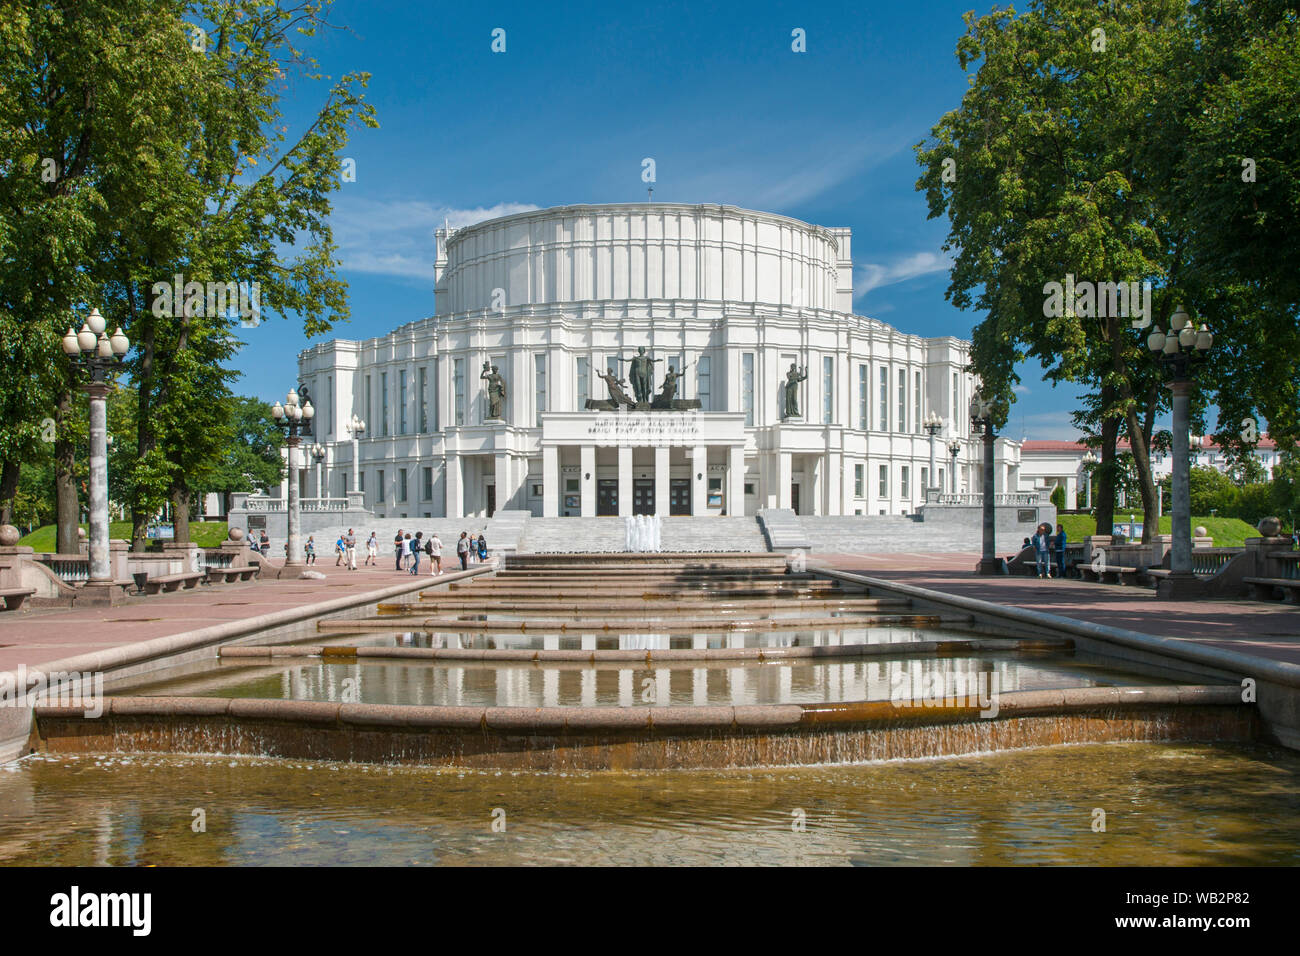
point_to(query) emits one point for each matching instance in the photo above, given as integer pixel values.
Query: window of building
(383, 400)
(859, 480)
(955, 417)
(916, 403)
(428, 484)
(370, 410)
(433, 405)
(423, 399)
(537, 491)
(401, 484)
(943, 484)
(539, 384)
(401, 402)
(749, 487)
(901, 424)
(925, 477)
(863, 387)
(747, 387)
(584, 385)
(903, 489)
(345, 484)
(884, 482)
(458, 381)
(704, 382)
(361, 481)
(329, 388)
(381, 490)
(883, 404)
(828, 389)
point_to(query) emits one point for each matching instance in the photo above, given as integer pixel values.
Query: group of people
(1044, 544)
(407, 550)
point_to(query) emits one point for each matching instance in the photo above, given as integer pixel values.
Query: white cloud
(395, 237)
(1020, 389)
(872, 275)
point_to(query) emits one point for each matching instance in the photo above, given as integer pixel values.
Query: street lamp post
(932, 424)
(954, 449)
(981, 420)
(295, 419)
(1175, 352)
(1089, 459)
(356, 428)
(318, 455)
(100, 354)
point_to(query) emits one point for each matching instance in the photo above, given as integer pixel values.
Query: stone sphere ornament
(236, 534)
(81, 534)
(1269, 527)
(1201, 532)
(8, 535)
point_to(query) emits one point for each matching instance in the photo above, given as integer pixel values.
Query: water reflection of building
(727, 298)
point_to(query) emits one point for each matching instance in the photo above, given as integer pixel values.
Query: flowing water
(1181, 804)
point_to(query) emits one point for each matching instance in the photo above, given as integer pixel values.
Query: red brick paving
(1267, 629)
(48, 634)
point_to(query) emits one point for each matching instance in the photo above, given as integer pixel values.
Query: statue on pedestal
(496, 390)
(642, 375)
(615, 386)
(792, 380)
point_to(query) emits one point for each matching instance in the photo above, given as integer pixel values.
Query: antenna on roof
(649, 194)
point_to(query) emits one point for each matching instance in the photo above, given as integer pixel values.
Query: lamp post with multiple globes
(356, 428)
(295, 419)
(981, 421)
(1089, 459)
(954, 449)
(1175, 351)
(101, 355)
(932, 424)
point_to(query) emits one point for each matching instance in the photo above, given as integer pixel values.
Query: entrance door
(607, 496)
(794, 497)
(679, 496)
(492, 500)
(643, 496)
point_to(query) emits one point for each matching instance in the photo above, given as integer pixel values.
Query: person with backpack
(372, 549)
(434, 549)
(310, 549)
(417, 546)
(482, 548)
(462, 550)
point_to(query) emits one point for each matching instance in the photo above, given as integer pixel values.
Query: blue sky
(585, 91)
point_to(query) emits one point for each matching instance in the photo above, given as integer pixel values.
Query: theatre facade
(654, 358)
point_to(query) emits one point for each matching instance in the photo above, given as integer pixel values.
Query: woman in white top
(435, 554)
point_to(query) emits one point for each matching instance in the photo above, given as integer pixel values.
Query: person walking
(1041, 553)
(338, 550)
(310, 549)
(372, 549)
(462, 550)
(266, 544)
(398, 547)
(434, 547)
(417, 545)
(482, 548)
(350, 544)
(1060, 551)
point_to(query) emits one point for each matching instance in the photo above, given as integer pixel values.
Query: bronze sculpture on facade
(792, 380)
(496, 390)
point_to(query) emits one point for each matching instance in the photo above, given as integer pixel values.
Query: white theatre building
(728, 298)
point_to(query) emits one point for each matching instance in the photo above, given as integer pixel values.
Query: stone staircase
(782, 530)
(865, 534)
(606, 534)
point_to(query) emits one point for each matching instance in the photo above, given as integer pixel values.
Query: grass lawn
(1226, 532)
(206, 534)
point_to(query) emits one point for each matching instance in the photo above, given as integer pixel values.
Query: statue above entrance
(666, 400)
(792, 380)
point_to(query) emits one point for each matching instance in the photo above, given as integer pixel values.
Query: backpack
(428, 546)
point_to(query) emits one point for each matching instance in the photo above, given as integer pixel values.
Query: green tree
(252, 458)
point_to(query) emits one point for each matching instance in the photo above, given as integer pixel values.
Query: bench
(227, 575)
(173, 582)
(14, 597)
(1111, 574)
(1264, 588)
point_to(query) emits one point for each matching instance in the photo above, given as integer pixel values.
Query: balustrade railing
(70, 570)
(258, 503)
(1023, 499)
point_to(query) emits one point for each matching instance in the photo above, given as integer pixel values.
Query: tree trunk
(181, 514)
(146, 437)
(8, 489)
(66, 507)
(1142, 461)
(1103, 487)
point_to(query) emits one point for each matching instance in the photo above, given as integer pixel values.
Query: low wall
(642, 738)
